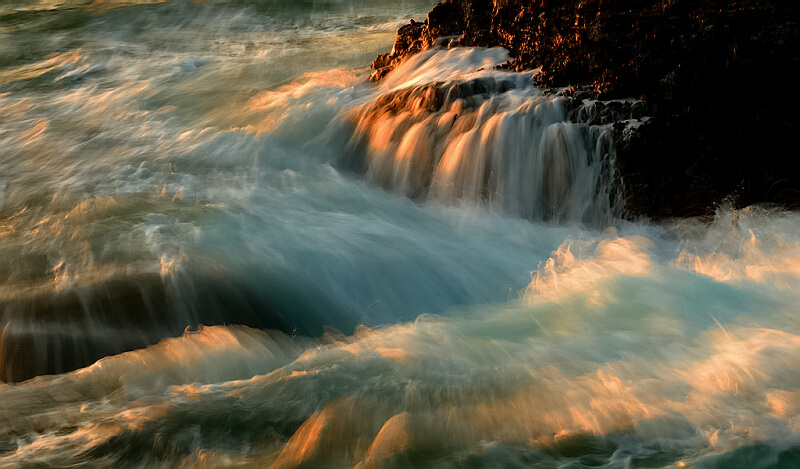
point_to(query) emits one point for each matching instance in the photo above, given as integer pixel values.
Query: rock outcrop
(716, 76)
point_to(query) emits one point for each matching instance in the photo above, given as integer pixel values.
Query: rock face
(715, 75)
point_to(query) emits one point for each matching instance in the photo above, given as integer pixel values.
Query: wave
(447, 127)
(206, 166)
(644, 376)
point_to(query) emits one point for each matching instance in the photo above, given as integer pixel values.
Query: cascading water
(219, 250)
(484, 136)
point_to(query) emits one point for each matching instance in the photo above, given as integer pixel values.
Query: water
(222, 246)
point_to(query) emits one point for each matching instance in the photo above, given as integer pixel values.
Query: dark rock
(446, 19)
(714, 74)
(410, 39)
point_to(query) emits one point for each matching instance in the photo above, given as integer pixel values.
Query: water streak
(421, 269)
(447, 127)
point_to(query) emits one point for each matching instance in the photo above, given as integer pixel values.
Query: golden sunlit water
(222, 246)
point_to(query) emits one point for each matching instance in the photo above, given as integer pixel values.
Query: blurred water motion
(222, 246)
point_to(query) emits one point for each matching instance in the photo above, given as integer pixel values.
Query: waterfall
(490, 137)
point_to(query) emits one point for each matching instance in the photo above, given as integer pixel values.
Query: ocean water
(222, 246)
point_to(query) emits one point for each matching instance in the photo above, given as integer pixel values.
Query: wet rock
(409, 40)
(714, 75)
(446, 19)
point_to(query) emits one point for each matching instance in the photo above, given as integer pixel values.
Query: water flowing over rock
(714, 74)
(222, 246)
(491, 137)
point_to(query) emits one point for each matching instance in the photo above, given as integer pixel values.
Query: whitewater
(221, 245)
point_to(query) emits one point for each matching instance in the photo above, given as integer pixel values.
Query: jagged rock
(714, 73)
(410, 39)
(445, 19)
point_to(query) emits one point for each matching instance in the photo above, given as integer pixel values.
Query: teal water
(221, 246)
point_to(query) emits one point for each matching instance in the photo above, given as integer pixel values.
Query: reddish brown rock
(716, 74)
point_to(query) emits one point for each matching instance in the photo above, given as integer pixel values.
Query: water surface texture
(222, 246)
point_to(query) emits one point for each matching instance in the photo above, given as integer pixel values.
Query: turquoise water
(220, 245)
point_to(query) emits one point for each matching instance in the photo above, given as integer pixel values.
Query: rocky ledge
(716, 76)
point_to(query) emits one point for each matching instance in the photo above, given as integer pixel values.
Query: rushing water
(220, 245)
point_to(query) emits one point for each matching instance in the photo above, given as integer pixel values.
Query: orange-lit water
(386, 278)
